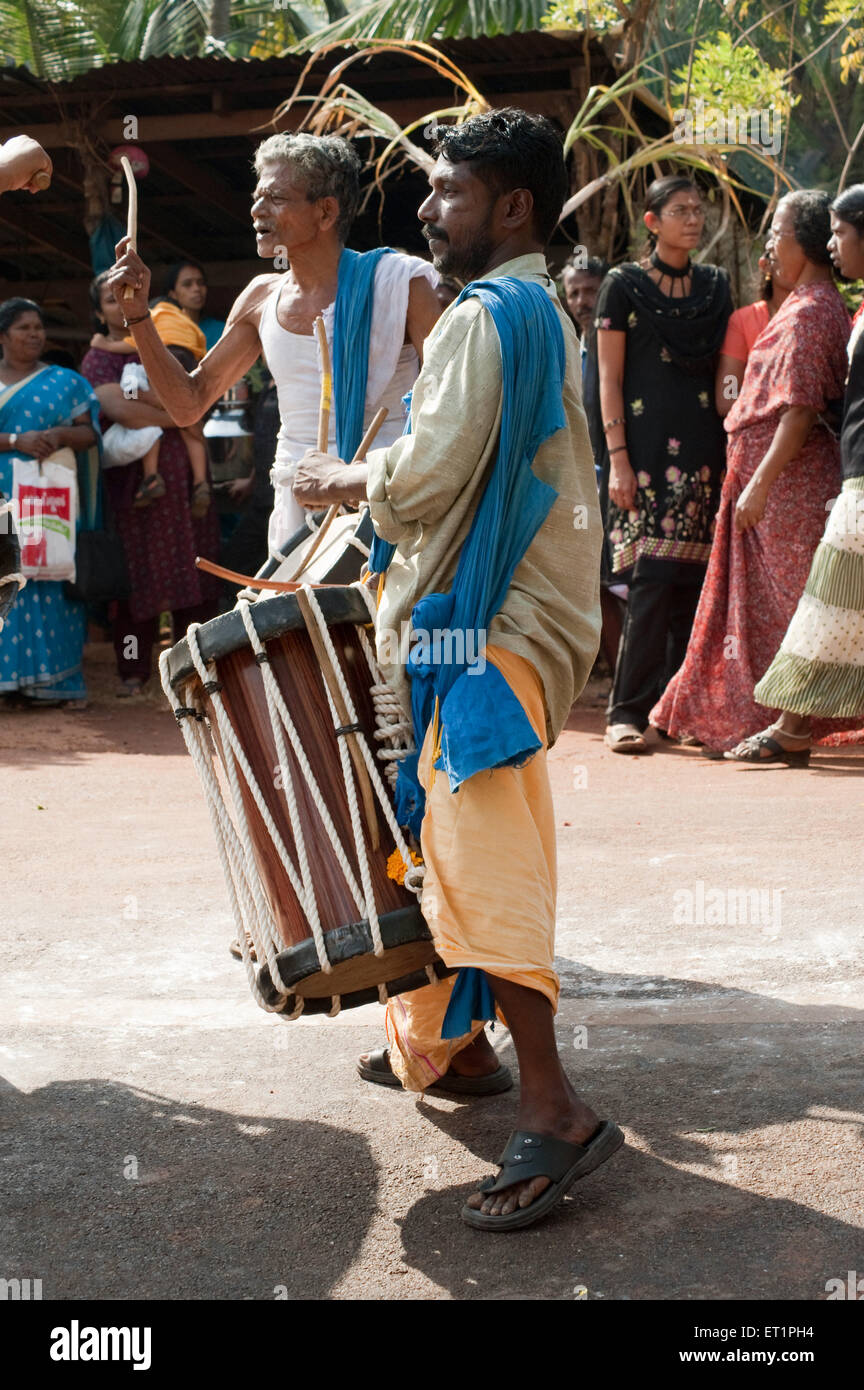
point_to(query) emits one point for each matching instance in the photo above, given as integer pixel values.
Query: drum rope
(233, 755)
(227, 841)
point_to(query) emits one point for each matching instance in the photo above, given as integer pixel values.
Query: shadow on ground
(223, 1206)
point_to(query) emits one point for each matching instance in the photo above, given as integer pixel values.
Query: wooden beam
(71, 246)
(205, 182)
(256, 123)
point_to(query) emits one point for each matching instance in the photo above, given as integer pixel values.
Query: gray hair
(327, 167)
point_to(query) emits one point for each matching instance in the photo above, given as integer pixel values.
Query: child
(185, 341)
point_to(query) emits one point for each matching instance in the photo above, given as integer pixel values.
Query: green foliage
(418, 20)
(726, 75)
(850, 13)
(580, 15)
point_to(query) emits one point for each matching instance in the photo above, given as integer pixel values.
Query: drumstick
(132, 214)
(342, 715)
(254, 581)
(326, 387)
(362, 450)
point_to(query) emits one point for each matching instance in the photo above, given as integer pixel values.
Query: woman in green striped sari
(819, 670)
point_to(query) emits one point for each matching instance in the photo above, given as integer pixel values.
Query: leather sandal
(625, 738)
(530, 1155)
(750, 751)
(379, 1071)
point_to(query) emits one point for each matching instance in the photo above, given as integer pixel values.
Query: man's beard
(469, 261)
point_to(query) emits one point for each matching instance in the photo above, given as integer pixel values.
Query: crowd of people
(722, 445)
(719, 441)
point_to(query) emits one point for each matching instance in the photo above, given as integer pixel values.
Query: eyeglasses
(683, 210)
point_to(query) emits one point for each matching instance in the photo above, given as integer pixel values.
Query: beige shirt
(424, 490)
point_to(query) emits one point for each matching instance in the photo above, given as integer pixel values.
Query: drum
(337, 560)
(307, 738)
(11, 578)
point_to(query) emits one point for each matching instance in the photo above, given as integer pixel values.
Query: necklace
(674, 272)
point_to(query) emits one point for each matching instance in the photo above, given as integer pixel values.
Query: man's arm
(20, 160)
(188, 395)
(424, 311)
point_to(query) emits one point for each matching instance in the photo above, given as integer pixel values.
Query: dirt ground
(164, 1138)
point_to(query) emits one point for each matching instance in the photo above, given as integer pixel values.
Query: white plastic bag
(45, 501)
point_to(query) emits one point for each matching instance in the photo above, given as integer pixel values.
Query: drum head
(270, 617)
(337, 560)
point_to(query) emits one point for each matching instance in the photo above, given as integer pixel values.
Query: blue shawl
(482, 724)
(352, 324)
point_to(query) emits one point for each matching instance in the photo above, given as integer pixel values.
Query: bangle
(127, 323)
(618, 450)
(13, 440)
(610, 424)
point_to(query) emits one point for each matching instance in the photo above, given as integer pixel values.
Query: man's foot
(576, 1127)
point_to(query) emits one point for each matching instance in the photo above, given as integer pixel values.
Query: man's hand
(20, 160)
(321, 480)
(129, 269)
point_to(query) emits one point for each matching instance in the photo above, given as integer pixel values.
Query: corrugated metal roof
(522, 49)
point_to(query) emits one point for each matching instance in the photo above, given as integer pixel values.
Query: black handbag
(101, 572)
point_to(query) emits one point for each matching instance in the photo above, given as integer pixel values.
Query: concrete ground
(163, 1138)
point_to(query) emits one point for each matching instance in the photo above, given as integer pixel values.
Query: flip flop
(379, 1071)
(532, 1155)
(625, 738)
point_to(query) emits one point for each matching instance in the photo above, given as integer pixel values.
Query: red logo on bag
(43, 501)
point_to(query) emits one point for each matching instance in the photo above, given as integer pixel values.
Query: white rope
(251, 911)
(227, 842)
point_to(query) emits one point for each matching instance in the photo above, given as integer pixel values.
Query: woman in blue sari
(42, 641)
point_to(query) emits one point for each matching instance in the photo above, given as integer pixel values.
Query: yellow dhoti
(489, 891)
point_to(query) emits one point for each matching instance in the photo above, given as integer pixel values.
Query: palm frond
(406, 19)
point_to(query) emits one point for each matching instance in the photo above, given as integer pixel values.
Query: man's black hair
(509, 149)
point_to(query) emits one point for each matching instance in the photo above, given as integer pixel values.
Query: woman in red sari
(783, 469)
(161, 541)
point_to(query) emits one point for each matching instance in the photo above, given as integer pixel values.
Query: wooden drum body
(334, 843)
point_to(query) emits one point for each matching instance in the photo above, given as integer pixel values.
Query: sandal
(200, 504)
(379, 1071)
(625, 738)
(750, 751)
(531, 1155)
(151, 490)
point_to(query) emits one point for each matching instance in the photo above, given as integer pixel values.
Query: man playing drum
(488, 531)
(378, 307)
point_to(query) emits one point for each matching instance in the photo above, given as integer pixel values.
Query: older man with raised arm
(488, 541)
(378, 308)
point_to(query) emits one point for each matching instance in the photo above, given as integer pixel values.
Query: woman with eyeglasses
(660, 326)
(783, 470)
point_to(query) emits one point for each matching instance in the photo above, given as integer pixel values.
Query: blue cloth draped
(352, 324)
(482, 724)
(43, 638)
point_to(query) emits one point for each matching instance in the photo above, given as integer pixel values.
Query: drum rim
(271, 617)
(402, 927)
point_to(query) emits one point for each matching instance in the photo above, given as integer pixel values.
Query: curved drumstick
(326, 386)
(362, 450)
(132, 214)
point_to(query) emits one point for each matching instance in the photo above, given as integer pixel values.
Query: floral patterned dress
(675, 438)
(756, 577)
(161, 541)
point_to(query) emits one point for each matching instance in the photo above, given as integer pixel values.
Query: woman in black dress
(660, 325)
